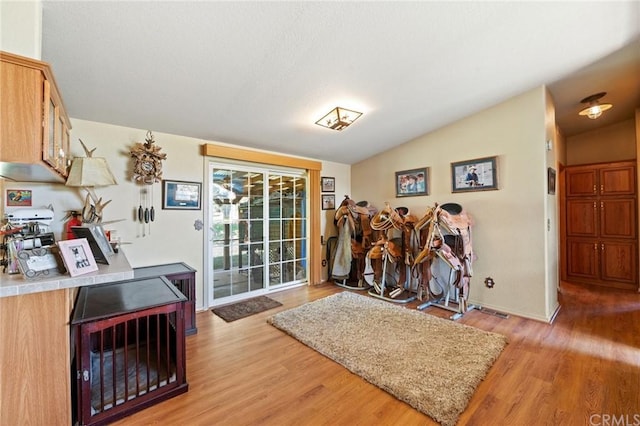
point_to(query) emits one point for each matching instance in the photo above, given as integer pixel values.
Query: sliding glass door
(257, 231)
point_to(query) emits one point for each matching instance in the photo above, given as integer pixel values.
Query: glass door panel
(257, 230)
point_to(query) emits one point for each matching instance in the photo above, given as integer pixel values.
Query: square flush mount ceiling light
(339, 118)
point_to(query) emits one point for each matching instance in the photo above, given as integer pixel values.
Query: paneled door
(257, 231)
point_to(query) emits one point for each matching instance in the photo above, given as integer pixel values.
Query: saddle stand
(397, 295)
(450, 305)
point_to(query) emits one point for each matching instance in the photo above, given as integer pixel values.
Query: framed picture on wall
(411, 183)
(181, 195)
(328, 201)
(474, 175)
(551, 181)
(328, 184)
(18, 197)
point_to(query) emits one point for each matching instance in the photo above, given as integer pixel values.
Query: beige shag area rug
(432, 364)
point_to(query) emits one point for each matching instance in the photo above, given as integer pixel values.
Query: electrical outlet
(489, 282)
(324, 262)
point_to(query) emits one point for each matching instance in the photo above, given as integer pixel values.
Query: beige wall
(510, 231)
(616, 142)
(172, 236)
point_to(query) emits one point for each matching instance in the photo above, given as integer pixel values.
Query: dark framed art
(480, 174)
(411, 183)
(551, 181)
(328, 184)
(181, 195)
(328, 201)
(18, 197)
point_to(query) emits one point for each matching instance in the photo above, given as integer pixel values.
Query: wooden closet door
(582, 218)
(582, 259)
(619, 261)
(618, 218)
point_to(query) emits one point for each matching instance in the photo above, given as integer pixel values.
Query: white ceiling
(259, 74)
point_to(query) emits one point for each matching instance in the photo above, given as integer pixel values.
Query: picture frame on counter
(77, 256)
(38, 262)
(98, 241)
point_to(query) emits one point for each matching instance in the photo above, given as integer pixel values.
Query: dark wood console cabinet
(183, 277)
(129, 348)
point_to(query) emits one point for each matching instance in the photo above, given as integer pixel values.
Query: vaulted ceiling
(259, 74)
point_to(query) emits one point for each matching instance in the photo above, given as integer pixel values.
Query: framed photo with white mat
(77, 256)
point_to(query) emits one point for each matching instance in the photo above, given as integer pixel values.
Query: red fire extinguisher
(73, 221)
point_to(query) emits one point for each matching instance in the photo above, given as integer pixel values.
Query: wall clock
(147, 161)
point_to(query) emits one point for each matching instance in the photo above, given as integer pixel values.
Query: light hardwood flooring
(578, 370)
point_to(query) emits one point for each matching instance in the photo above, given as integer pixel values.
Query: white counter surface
(17, 284)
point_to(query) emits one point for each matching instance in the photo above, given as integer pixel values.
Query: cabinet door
(618, 261)
(582, 259)
(49, 155)
(581, 182)
(618, 180)
(582, 218)
(618, 218)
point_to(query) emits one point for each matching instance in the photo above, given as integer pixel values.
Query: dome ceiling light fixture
(339, 118)
(594, 108)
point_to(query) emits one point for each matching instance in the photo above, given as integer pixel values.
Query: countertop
(17, 284)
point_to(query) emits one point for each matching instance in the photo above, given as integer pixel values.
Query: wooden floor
(583, 367)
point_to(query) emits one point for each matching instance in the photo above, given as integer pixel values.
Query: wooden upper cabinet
(35, 128)
(605, 179)
(581, 182)
(618, 180)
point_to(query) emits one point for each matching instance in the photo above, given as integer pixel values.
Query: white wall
(342, 175)
(21, 28)
(509, 233)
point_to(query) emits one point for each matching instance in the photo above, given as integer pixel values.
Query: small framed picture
(77, 256)
(181, 195)
(38, 262)
(328, 184)
(551, 181)
(410, 183)
(328, 201)
(18, 198)
(98, 241)
(474, 175)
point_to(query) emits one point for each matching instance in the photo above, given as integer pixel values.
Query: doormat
(245, 308)
(430, 363)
